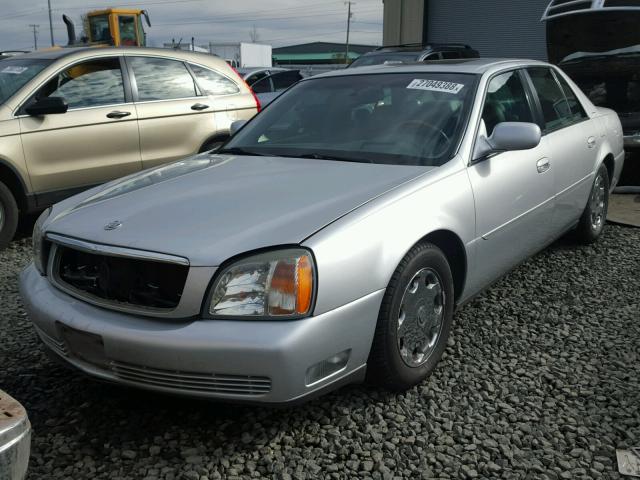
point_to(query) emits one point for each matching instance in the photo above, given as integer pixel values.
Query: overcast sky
(278, 22)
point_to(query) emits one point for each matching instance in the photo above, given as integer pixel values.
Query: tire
(594, 217)
(8, 216)
(417, 309)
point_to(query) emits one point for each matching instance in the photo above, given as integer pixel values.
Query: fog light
(327, 367)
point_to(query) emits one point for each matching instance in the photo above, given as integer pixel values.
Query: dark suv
(415, 52)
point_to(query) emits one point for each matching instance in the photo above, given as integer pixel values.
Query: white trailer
(243, 54)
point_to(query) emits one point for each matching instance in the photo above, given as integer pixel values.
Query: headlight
(38, 240)
(277, 284)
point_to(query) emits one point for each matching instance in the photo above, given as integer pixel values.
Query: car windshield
(398, 119)
(15, 73)
(389, 58)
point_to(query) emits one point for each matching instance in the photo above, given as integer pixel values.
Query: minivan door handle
(199, 106)
(118, 114)
(543, 165)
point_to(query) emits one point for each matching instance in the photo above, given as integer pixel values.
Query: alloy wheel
(420, 317)
(597, 203)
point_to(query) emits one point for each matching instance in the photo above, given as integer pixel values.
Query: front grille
(191, 381)
(120, 280)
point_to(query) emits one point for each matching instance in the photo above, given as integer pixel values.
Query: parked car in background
(74, 118)
(331, 238)
(415, 52)
(269, 83)
(15, 438)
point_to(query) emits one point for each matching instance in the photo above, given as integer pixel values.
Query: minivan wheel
(8, 216)
(594, 217)
(414, 321)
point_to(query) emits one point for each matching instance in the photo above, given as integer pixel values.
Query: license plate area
(85, 346)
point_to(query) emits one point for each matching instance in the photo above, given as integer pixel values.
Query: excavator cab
(112, 26)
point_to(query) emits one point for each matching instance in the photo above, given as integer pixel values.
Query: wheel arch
(14, 182)
(609, 162)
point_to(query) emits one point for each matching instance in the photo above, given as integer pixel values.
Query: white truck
(243, 54)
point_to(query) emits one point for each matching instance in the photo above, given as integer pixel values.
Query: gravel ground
(540, 380)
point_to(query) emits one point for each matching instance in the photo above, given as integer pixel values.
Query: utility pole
(349, 15)
(50, 23)
(35, 35)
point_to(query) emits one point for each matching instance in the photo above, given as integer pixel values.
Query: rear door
(96, 140)
(571, 140)
(513, 190)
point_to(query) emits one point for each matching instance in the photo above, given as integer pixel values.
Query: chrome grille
(191, 381)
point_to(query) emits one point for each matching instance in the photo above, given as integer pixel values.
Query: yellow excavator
(114, 27)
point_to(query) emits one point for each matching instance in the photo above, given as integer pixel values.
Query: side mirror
(508, 137)
(235, 126)
(47, 106)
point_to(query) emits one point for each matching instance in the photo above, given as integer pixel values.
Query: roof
(475, 66)
(323, 48)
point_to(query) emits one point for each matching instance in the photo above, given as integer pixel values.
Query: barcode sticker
(436, 86)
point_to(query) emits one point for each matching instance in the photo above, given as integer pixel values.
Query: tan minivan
(77, 117)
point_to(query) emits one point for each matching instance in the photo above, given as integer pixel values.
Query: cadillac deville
(330, 239)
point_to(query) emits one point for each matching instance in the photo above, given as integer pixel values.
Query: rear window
(385, 58)
(214, 83)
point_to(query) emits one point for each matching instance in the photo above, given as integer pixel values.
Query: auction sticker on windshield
(435, 86)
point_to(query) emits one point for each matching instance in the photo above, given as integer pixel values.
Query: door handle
(118, 114)
(543, 165)
(199, 106)
(591, 142)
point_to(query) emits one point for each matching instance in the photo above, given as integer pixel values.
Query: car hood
(210, 207)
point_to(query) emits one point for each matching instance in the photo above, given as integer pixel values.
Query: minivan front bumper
(236, 360)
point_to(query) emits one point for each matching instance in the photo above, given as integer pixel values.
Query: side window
(255, 77)
(506, 101)
(212, 82)
(88, 84)
(127, 26)
(555, 108)
(432, 56)
(577, 111)
(283, 80)
(162, 79)
(262, 86)
(450, 55)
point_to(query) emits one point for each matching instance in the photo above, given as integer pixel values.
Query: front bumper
(15, 438)
(241, 360)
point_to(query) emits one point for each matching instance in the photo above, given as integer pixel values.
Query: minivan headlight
(38, 241)
(276, 284)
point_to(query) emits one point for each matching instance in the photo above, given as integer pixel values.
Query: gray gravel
(540, 380)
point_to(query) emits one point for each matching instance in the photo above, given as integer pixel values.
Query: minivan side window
(88, 84)
(574, 104)
(212, 82)
(556, 110)
(506, 101)
(162, 79)
(283, 80)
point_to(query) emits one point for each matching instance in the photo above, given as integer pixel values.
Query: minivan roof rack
(425, 45)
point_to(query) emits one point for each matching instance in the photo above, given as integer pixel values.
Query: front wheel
(414, 321)
(8, 216)
(594, 217)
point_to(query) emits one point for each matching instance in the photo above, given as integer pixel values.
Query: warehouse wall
(403, 21)
(496, 28)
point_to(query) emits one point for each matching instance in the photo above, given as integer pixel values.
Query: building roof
(320, 48)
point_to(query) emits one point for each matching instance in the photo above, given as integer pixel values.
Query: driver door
(513, 191)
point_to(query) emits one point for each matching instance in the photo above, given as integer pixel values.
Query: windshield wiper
(240, 151)
(320, 156)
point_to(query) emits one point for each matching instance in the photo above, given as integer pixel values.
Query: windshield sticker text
(436, 86)
(13, 69)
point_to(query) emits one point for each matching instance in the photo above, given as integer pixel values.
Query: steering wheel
(418, 126)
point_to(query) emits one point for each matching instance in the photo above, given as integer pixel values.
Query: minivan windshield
(16, 72)
(398, 119)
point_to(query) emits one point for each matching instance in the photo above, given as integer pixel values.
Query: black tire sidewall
(10, 211)
(403, 375)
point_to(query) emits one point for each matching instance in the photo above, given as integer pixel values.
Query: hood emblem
(113, 225)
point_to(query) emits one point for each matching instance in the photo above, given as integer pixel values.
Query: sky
(277, 22)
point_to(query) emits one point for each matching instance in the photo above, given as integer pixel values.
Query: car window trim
(557, 76)
(519, 70)
(18, 112)
(134, 82)
(203, 92)
(543, 124)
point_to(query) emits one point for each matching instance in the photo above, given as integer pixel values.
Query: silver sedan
(331, 239)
